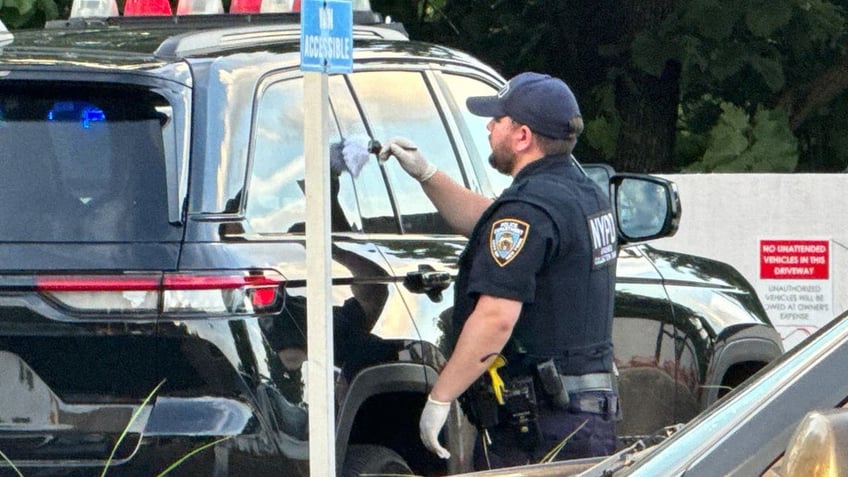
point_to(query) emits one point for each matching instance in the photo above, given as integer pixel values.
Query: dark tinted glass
(463, 87)
(400, 104)
(82, 164)
(369, 193)
(276, 201)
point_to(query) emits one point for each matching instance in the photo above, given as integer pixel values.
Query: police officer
(535, 285)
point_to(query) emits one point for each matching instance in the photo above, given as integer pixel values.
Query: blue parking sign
(326, 38)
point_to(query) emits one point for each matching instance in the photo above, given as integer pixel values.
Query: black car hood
(715, 292)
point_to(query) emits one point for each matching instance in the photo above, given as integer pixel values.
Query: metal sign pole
(326, 46)
(322, 455)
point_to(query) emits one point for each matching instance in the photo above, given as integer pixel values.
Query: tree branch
(801, 103)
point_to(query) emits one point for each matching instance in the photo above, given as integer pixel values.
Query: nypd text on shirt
(604, 238)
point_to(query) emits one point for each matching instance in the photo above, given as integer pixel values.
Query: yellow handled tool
(497, 383)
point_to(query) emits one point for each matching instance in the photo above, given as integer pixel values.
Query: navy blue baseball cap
(544, 104)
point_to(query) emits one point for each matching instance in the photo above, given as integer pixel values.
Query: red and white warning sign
(795, 286)
(795, 259)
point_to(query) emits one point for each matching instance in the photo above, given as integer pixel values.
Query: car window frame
(471, 166)
(436, 96)
(748, 429)
(474, 161)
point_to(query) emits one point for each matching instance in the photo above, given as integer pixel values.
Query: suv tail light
(171, 294)
(147, 7)
(202, 7)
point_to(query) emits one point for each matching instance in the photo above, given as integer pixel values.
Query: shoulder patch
(507, 238)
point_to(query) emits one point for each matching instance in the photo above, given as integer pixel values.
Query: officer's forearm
(460, 207)
(484, 335)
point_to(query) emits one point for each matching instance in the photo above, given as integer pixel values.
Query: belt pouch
(480, 404)
(552, 384)
(521, 408)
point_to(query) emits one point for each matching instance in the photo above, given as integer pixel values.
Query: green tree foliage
(760, 56)
(29, 13)
(660, 82)
(739, 142)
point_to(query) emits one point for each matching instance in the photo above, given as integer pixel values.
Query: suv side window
(399, 103)
(368, 189)
(462, 87)
(276, 202)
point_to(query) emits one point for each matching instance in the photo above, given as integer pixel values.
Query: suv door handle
(427, 280)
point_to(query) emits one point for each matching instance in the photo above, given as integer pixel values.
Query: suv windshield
(81, 163)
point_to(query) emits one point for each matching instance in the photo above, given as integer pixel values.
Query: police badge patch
(507, 239)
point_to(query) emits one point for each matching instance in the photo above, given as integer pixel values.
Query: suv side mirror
(646, 207)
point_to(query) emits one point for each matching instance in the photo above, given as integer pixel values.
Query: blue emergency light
(72, 110)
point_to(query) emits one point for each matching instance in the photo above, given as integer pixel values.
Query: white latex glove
(409, 157)
(432, 421)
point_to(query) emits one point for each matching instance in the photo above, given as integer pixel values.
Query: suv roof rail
(209, 41)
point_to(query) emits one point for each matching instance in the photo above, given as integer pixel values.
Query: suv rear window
(82, 163)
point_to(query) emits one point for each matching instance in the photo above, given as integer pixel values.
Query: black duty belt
(606, 406)
(589, 382)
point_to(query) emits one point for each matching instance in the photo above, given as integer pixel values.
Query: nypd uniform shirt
(549, 242)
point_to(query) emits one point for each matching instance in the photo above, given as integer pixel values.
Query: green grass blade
(129, 424)
(14, 467)
(195, 451)
(551, 455)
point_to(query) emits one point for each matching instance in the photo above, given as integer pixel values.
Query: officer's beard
(502, 162)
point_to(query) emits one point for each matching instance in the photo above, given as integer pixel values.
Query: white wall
(726, 215)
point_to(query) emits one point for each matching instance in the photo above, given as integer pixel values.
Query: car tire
(372, 459)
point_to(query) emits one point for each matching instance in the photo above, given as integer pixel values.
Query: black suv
(152, 281)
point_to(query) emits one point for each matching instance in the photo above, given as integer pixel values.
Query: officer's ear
(522, 138)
